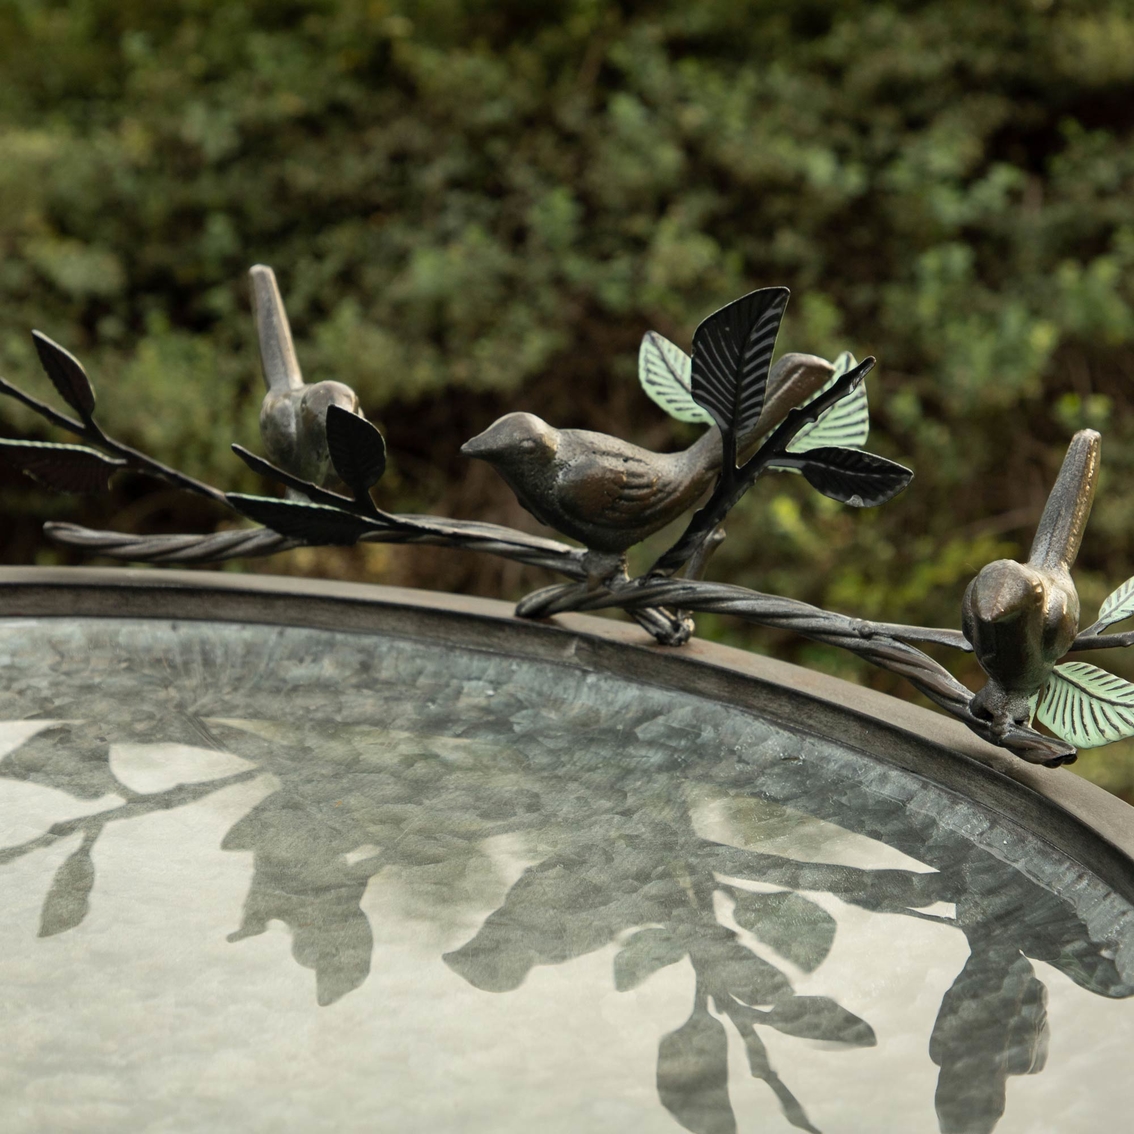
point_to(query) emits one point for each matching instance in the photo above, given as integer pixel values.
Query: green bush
(477, 205)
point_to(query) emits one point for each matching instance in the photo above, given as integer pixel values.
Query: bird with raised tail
(609, 494)
(293, 416)
(1021, 618)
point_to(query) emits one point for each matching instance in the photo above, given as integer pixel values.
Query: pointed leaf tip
(67, 375)
(1118, 605)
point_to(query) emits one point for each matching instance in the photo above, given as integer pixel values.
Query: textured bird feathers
(618, 485)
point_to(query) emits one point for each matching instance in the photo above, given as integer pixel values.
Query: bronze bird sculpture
(293, 416)
(609, 494)
(1021, 618)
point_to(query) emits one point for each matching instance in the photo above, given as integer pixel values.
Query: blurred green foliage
(480, 205)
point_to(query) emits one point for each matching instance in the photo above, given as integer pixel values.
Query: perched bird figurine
(1021, 618)
(609, 494)
(293, 417)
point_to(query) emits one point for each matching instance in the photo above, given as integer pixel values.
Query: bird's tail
(277, 351)
(1064, 517)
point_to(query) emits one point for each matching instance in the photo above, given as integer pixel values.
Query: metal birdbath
(280, 855)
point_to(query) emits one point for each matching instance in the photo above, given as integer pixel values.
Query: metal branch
(870, 641)
(254, 542)
(94, 435)
(215, 548)
(734, 482)
(1092, 641)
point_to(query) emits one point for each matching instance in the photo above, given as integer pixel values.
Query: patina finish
(1021, 618)
(802, 414)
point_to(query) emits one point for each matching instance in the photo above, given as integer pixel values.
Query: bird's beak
(479, 446)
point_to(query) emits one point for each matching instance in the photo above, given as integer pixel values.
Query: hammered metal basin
(264, 878)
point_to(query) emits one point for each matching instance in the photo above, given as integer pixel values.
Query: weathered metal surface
(802, 415)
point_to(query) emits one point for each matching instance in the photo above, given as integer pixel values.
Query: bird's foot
(668, 627)
(605, 569)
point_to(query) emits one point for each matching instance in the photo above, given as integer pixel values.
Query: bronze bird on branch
(610, 494)
(1021, 618)
(293, 416)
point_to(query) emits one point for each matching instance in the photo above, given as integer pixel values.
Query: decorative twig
(877, 643)
(215, 548)
(734, 482)
(464, 535)
(1094, 641)
(611, 495)
(93, 434)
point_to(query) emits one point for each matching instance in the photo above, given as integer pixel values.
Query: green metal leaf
(846, 424)
(665, 371)
(1086, 706)
(1118, 605)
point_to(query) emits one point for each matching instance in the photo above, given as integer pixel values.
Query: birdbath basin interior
(283, 877)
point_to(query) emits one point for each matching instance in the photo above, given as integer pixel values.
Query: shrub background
(480, 205)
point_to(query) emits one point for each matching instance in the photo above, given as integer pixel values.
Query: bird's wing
(614, 488)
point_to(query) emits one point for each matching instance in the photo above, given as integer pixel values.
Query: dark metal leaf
(274, 472)
(312, 523)
(66, 374)
(853, 476)
(820, 1018)
(732, 352)
(643, 955)
(68, 899)
(794, 926)
(357, 449)
(693, 1075)
(63, 468)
